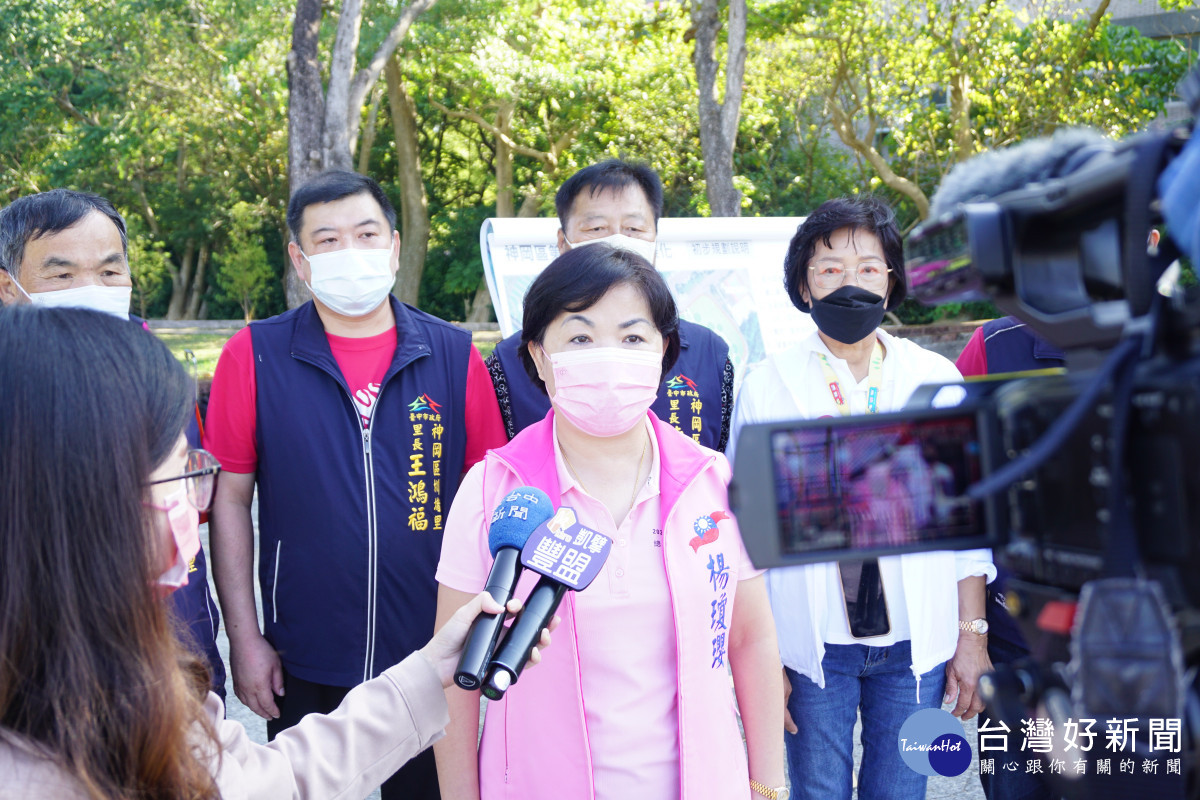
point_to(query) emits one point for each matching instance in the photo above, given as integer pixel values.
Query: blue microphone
(512, 523)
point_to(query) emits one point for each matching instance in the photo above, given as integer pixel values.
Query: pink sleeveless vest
(535, 741)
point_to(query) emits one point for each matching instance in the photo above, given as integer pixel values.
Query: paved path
(964, 787)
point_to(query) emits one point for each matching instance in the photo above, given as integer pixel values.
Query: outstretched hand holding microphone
(511, 525)
(444, 649)
(526, 531)
(568, 556)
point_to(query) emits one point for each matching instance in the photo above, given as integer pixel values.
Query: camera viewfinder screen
(876, 486)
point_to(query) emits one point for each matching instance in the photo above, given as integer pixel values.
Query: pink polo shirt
(627, 646)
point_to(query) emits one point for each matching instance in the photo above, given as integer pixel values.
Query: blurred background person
(69, 248)
(882, 636)
(99, 510)
(619, 203)
(638, 702)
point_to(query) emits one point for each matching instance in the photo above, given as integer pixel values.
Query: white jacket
(791, 385)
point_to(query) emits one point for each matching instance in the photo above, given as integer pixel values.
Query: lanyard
(874, 381)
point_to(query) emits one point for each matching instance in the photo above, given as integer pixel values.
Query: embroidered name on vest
(684, 397)
(718, 578)
(425, 467)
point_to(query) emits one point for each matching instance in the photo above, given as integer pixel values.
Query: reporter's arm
(257, 672)
(457, 754)
(757, 679)
(379, 726)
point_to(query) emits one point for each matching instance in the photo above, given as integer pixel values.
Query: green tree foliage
(916, 86)
(171, 109)
(245, 276)
(177, 111)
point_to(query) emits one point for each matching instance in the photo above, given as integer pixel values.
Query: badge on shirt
(705, 528)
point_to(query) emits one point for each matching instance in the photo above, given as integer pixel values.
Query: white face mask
(351, 282)
(109, 299)
(646, 250)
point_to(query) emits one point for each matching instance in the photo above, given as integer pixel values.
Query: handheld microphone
(510, 527)
(568, 556)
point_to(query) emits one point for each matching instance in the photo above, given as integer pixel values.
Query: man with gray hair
(65, 248)
(69, 248)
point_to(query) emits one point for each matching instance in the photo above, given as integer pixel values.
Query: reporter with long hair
(99, 502)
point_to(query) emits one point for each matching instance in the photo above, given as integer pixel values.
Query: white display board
(726, 273)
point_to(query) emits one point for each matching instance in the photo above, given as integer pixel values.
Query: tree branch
(471, 116)
(843, 124)
(368, 75)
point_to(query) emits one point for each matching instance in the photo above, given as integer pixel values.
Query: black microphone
(568, 556)
(512, 523)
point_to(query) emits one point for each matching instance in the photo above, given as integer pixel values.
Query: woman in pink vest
(635, 698)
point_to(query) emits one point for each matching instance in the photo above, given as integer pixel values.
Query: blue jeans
(878, 680)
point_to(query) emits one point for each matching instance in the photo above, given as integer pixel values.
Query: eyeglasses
(868, 276)
(201, 477)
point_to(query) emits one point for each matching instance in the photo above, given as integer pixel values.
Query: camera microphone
(512, 523)
(998, 172)
(568, 556)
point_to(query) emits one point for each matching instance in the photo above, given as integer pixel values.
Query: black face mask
(848, 314)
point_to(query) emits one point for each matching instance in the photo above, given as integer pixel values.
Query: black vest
(350, 521)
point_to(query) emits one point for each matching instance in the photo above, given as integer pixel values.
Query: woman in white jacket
(911, 629)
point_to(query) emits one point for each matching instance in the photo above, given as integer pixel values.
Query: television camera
(1085, 484)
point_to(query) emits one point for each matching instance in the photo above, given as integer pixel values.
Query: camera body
(1086, 485)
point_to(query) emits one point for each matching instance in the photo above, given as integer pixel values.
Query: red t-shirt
(232, 405)
(973, 358)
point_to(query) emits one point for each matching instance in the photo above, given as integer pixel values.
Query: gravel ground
(964, 787)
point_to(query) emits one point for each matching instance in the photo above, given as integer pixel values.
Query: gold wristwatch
(779, 793)
(979, 626)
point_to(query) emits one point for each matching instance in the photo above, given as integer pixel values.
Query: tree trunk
(335, 141)
(481, 304)
(719, 120)
(844, 126)
(306, 116)
(321, 127)
(960, 114)
(504, 160)
(196, 295)
(181, 280)
(368, 138)
(414, 207)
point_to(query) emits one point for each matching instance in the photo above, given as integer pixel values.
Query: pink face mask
(604, 391)
(185, 531)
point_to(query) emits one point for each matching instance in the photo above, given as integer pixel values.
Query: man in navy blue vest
(69, 248)
(620, 203)
(354, 416)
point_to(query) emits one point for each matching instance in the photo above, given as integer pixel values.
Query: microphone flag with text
(568, 556)
(512, 523)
